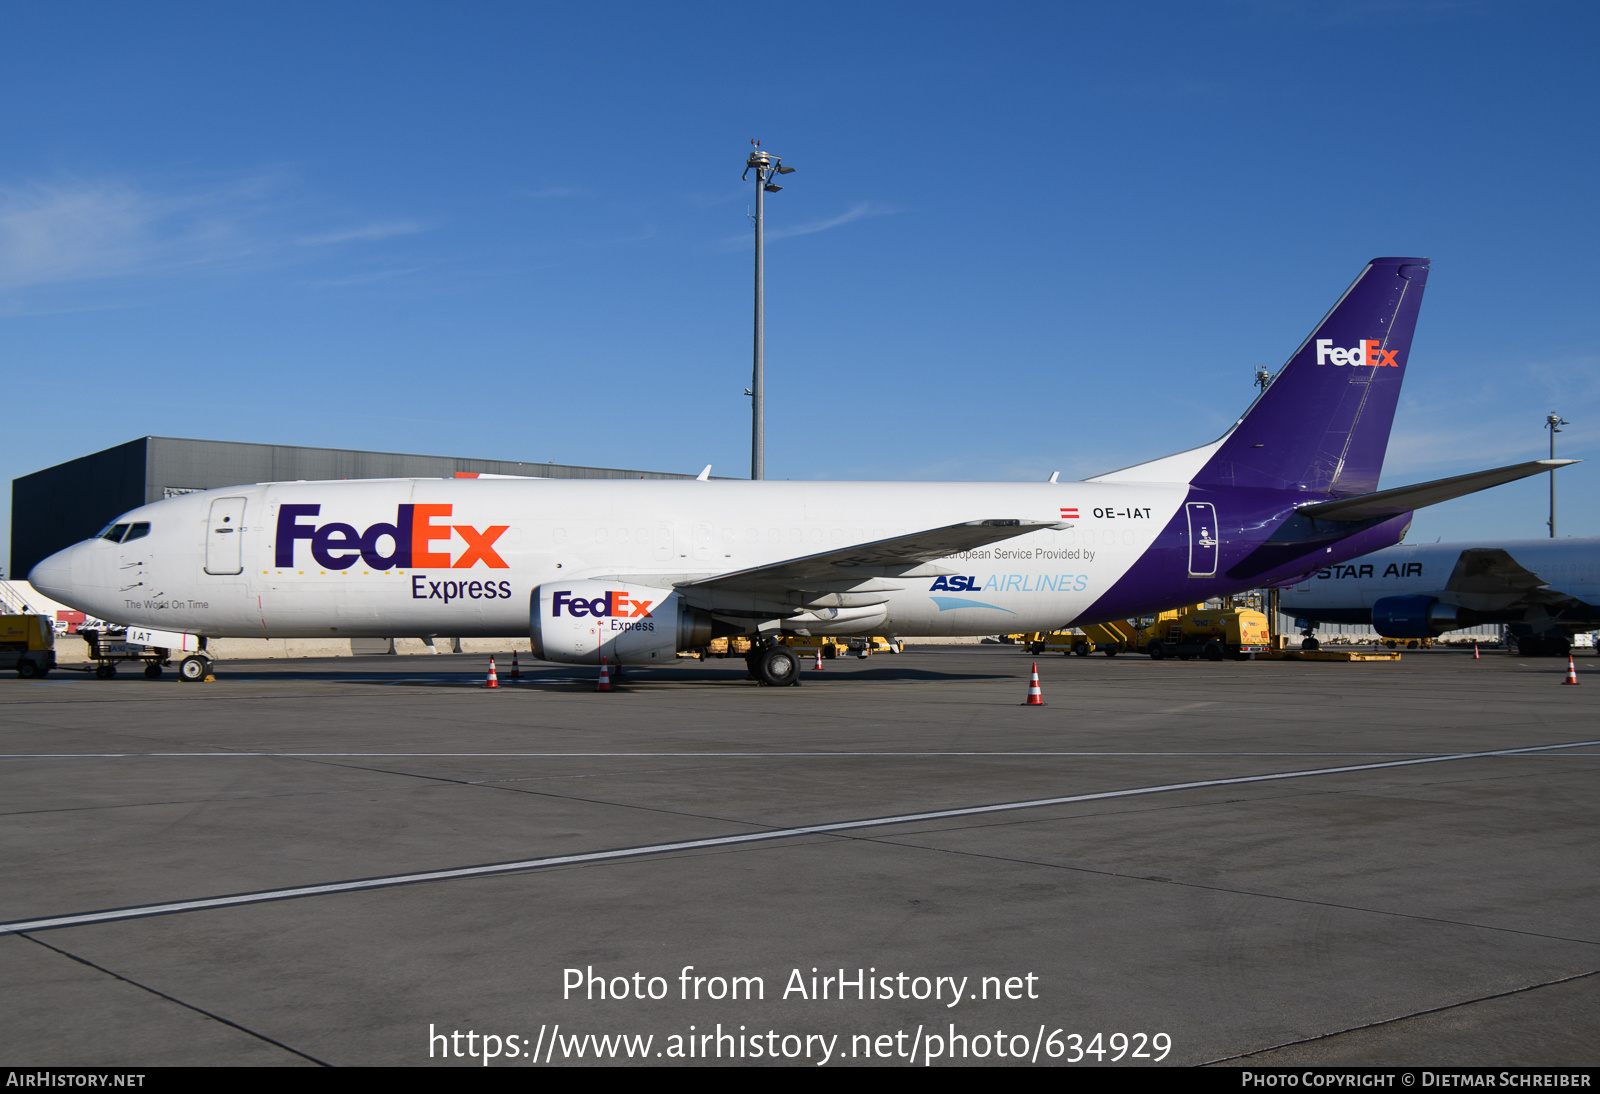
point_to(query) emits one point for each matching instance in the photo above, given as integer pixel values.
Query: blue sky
(1020, 238)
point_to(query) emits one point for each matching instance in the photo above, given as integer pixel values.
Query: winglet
(705, 475)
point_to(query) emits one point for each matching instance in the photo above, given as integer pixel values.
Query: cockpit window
(114, 533)
(137, 531)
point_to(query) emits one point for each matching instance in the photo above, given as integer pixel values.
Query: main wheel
(152, 671)
(777, 667)
(105, 670)
(1310, 644)
(192, 670)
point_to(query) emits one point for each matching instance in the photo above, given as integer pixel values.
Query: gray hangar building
(71, 501)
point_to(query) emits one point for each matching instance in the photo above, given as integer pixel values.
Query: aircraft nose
(54, 577)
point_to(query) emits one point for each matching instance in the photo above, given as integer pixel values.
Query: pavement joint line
(174, 999)
(1401, 1018)
(488, 869)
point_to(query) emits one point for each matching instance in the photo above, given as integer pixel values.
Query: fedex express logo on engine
(405, 544)
(614, 603)
(1367, 352)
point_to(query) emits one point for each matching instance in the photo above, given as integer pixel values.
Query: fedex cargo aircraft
(1545, 589)
(638, 570)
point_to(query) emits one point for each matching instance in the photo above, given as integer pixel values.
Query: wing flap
(784, 586)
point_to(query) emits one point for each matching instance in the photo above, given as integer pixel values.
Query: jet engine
(578, 622)
(1416, 617)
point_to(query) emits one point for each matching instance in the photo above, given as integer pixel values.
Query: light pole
(1553, 423)
(766, 165)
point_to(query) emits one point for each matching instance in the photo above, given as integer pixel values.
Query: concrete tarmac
(1142, 888)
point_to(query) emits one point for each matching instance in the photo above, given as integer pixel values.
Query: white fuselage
(216, 563)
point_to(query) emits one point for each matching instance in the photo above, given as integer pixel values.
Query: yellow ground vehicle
(27, 644)
(840, 647)
(1212, 633)
(1239, 633)
(729, 647)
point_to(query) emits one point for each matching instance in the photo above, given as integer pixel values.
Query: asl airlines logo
(409, 544)
(1368, 352)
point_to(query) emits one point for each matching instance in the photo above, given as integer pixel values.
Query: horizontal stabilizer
(884, 557)
(1403, 499)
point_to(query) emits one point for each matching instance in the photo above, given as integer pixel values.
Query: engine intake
(578, 622)
(1415, 617)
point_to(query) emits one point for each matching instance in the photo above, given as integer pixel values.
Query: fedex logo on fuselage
(614, 603)
(336, 546)
(1368, 352)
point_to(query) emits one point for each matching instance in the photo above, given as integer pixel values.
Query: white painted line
(142, 910)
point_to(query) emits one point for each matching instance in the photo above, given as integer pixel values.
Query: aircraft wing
(1403, 499)
(1488, 579)
(857, 569)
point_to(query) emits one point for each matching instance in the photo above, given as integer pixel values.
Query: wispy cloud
(63, 232)
(366, 233)
(860, 211)
(1502, 411)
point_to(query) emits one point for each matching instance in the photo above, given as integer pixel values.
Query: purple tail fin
(1322, 425)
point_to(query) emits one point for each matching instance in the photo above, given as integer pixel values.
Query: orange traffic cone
(492, 682)
(605, 676)
(818, 664)
(516, 670)
(1475, 656)
(1035, 696)
(1572, 671)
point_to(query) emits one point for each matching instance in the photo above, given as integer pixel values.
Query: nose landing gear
(192, 670)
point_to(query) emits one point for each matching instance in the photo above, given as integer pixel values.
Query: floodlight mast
(1553, 423)
(765, 165)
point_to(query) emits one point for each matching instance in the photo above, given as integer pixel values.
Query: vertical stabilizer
(1322, 425)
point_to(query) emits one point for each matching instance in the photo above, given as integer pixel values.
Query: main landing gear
(774, 666)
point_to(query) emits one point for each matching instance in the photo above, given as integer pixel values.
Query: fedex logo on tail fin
(1368, 352)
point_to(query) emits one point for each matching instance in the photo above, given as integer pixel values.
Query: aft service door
(224, 532)
(1202, 538)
